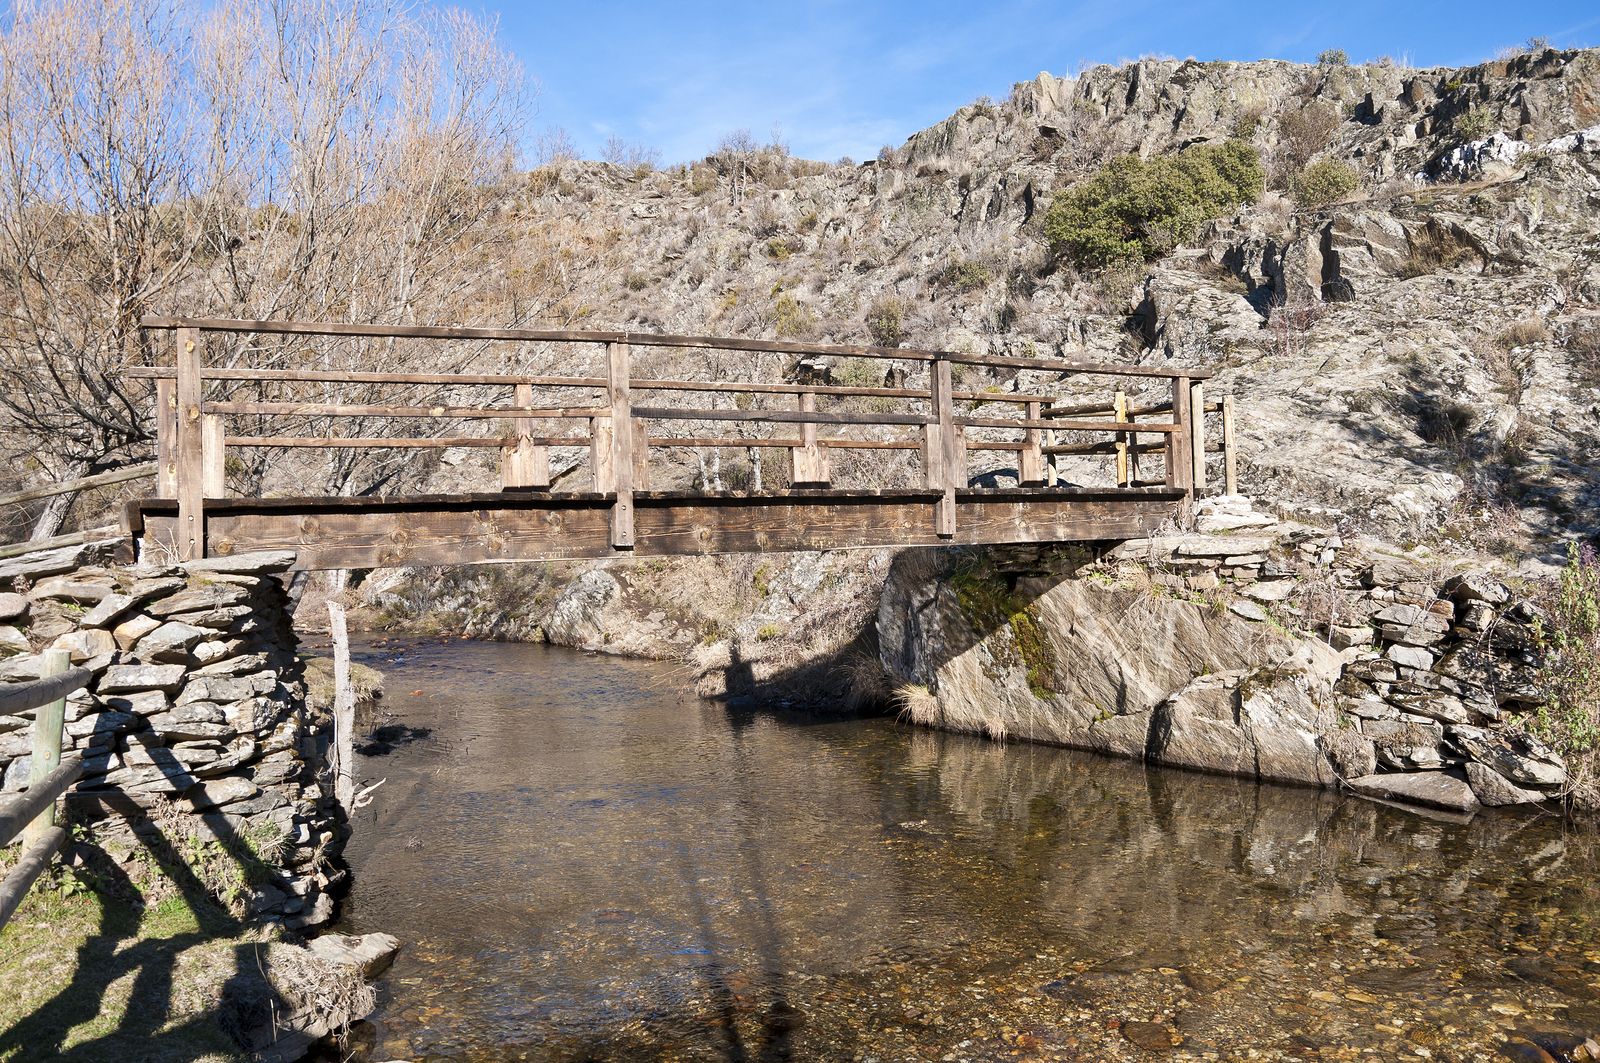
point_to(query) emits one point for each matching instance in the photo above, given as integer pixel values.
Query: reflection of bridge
(204, 404)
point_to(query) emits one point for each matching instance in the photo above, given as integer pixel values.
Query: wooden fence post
(1052, 475)
(1180, 468)
(522, 464)
(808, 461)
(166, 438)
(49, 722)
(191, 449)
(1230, 458)
(1197, 433)
(622, 443)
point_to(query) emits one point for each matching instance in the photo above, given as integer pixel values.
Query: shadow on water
(595, 868)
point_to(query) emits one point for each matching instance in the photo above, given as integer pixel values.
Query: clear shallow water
(587, 862)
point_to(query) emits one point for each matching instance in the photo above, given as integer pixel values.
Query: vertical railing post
(1030, 460)
(808, 461)
(952, 466)
(522, 464)
(48, 724)
(213, 456)
(1197, 433)
(1051, 474)
(1119, 407)
(1230, 461)
(622, 440)
(1180, 468)
(166, 438)
(191, 448)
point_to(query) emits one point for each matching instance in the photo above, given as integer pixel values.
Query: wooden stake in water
(49, 723)
(344, 711)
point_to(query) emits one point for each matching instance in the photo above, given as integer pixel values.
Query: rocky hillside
(1423, 351)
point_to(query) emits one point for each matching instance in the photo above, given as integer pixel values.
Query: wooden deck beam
(335, 533)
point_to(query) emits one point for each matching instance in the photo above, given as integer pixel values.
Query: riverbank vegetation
(1566, 630)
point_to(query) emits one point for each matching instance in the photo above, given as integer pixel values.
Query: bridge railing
(620, 417)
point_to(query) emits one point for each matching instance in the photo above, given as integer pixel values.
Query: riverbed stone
(198, 599)
(371, 954)
(77, 591)
(1432, 789)
(1517, 757)
(1495, 790)
(1409, 656)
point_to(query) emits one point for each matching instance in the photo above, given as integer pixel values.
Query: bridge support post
(622, 440)
(808, 463)
(1197, 434)
(1119, 406)
(1180, 464)
(191, 535)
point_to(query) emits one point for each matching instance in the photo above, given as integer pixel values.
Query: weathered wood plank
(668, 413)
(19, 810)
(645, 339)
(1230, 453)
(49, 727)
(191, 531)
(27, 871)
(1180, 466)
(519, 527)
(622, 434)
(82, 483)
(339, 409)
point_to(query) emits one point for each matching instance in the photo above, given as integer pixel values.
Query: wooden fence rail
(945, 422)
(33, 812)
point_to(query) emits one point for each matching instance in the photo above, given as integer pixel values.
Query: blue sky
(844, 78)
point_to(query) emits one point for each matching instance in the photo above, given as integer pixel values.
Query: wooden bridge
(907, 447)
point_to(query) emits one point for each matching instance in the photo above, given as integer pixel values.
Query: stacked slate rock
(197, 709)
(1437, 660)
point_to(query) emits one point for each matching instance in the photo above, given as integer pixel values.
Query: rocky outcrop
(195, 720)
(1249, 646)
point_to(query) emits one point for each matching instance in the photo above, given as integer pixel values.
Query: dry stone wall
(1248, 645)
(196, 712)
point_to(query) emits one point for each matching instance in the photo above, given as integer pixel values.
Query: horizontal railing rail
(947, 424)
(32, 812)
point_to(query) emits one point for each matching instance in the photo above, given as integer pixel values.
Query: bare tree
(629, 156)
(266, 158)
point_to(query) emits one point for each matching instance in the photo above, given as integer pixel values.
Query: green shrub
(1324, 181)
(1567, 637)
(964, 276)
(885, 322)
(1475, 124)
(1135, 210)
(792, 319)
(1333, 57)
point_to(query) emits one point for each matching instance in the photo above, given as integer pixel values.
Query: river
(586, 862)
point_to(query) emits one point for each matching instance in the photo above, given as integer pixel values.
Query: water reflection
(588, 863)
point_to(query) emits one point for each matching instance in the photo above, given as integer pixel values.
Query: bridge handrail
(651, 339)
(192, 439)
(33, 810)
